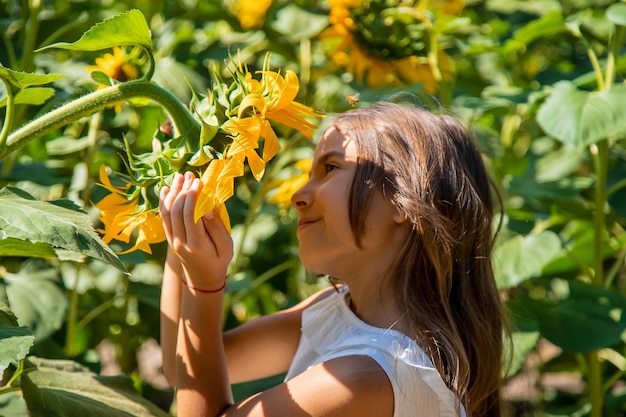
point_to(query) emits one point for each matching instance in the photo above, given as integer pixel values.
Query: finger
(179, 232)
(168, 195)
(219, 235)
(164, 213)
(196, 234)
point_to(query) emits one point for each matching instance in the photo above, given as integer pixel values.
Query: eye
(330, 167)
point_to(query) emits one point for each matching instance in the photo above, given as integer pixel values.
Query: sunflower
(118, 66)
(251, 13)
(270, 99)
(389, 46)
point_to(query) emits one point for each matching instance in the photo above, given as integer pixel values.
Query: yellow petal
(271, 145)
(226, 181)
(289, 117)
(223, 215)
(257, 165)
(206, 199)
(246, 134)
(253, 100)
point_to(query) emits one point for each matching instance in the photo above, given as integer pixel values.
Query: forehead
(333, 142)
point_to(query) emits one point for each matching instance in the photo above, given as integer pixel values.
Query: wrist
(216, 289)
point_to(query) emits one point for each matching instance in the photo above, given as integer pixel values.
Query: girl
(398, 208)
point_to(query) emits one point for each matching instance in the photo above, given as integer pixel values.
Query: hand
(204, 248)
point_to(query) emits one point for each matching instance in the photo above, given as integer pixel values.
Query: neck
(374, 302)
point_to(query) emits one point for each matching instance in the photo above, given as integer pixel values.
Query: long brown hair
(430, 168)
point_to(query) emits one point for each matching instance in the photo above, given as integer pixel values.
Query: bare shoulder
(312, 299)
(351, 386)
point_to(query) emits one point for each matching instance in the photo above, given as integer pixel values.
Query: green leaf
(36, 297)
(23, 80)
(617, 14)
(15, 341)
(581, 118)
(129, 28)
(59, 224)
(65, 145)
(577, 317)
(523, 257)
(100, 78)
(522, 344)
(548, 25)
(296, 24)
(64, 388)
(12, 405)
(35, 96)
(24, 248)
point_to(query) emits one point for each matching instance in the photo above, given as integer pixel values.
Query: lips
(306, 221)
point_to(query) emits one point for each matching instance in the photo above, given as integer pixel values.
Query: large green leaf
(575, 316)
(522, 257)
(296, 24)
(582, 118)
(27, 79)
(59, 224)
(129, 28)
(15, 341)
(617, 13)
(36, 297)
(64, 388)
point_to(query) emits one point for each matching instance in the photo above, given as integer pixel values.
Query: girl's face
(327, 244)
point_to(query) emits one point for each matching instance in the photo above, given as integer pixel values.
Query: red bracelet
(204, 291)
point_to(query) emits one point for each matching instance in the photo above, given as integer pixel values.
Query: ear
(398, 216)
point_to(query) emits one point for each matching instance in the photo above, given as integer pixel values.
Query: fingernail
(209, 215)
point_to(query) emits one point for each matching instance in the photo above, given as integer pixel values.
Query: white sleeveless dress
(331, 330)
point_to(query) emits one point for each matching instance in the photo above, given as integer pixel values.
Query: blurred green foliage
(540, 81)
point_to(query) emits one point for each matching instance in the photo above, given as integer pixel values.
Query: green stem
(601, 158)
(72, 317)
(8, 118)
(613, 56)
(32, 30)
(19, 371)
(183, 120)
(92, 135)
(594, 378)
(96, 312)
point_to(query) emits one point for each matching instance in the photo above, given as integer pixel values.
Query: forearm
(203, 387)
(170, 313)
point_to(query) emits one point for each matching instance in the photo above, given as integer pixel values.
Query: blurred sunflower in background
(251, 13)
(283, 190)
(391, 43)
(118, 66)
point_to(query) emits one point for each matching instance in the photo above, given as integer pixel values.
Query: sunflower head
(251, 13)
(119, 65)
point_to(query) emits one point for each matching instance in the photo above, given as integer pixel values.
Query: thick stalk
(594, 366)
(98, 100)
(595, 383)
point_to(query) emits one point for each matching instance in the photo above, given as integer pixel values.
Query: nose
(302, 197)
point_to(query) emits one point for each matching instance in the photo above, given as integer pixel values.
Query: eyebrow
(328, 155)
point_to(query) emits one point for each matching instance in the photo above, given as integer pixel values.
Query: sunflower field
(103, 102)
